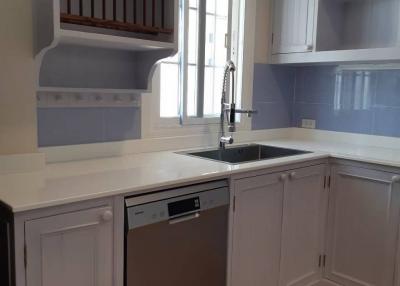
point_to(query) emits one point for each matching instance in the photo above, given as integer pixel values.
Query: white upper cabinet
(70, 249)
(355, 24)
(304, 214)
(126, 25)
(336, 31)
(102, 46)
(293, 26)
(363, 227)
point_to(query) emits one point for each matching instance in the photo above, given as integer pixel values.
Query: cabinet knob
(283, 177)
(107, 216)
(292, 175)
(396, 179)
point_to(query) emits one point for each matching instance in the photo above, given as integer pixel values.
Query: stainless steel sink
(245, 153)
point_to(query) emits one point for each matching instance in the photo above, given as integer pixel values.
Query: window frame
(153, 125)
(200, 119)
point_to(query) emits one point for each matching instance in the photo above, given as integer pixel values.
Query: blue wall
(273, 94)
(357, 101)
(70, 126)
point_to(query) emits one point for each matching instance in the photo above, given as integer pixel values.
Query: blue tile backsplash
(71, 126)
(357, 101)
(273, 95)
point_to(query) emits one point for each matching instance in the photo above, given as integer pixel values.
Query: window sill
(168, 128)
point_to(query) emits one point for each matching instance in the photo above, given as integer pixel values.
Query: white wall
(17, 79)
(263, 25)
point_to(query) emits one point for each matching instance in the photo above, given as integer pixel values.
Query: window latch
(226, 40)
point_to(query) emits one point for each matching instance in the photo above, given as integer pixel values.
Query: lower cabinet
(7, 260)
(257, 230)
(290, 228)
(278, 228)
(304, 216)
(70, 249)
(294, 228)
(363, 227)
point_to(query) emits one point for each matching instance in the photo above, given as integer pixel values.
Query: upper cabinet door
(70, 249)
(293, 26)
(304, 215)
(257, 230)
(364, 208)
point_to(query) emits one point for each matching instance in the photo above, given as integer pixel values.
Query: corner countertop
(70, 182)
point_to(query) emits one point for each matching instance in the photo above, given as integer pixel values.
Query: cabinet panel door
(257, 231)
(70, 249)
(6, 251)
(304, 214)
(293, 26)
(363, 227)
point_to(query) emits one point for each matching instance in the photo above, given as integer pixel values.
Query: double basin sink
(245, 153)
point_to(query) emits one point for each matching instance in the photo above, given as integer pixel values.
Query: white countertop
(70, 182)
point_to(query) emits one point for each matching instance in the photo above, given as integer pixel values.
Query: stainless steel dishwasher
(178, 237)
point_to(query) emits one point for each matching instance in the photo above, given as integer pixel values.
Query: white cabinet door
(257, 230)
(364, 208)
(70, 249)
(304, 215)
(293, 26)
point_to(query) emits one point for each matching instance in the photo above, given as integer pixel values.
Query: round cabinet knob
(292, 175)
(396, 179)
(107, 216)
(283, 177)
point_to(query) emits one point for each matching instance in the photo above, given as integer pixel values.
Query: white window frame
(154, 126)
(200, 120)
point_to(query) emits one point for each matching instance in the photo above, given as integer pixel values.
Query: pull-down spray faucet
(229, 109)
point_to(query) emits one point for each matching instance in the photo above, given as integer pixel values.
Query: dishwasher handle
(184, 218)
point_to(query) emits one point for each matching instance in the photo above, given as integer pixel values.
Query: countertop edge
(226, 172)
(140, 190)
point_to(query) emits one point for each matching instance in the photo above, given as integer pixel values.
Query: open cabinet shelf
(380, 55)
(113, 25)
(111, 41)
(355, 24)
(340, 31)
(79, 46)
(69, 90)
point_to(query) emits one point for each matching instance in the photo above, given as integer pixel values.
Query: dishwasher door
(178, 242)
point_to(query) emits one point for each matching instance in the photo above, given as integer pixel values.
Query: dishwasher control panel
(158, 211)
(183, 206)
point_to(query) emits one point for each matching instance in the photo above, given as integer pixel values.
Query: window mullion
(202, 4)
(232, 41)
(184, 62)
(214, 53)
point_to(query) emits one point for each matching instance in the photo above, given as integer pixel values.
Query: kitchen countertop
(69, 182)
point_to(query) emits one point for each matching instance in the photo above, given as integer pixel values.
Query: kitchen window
(191, 81)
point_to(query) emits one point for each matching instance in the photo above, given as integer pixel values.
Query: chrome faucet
(229, 109)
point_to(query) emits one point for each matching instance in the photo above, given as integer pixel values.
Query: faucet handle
(248, 112)
(226, 139)
(251, 112)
